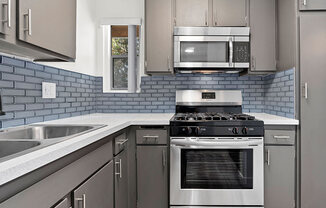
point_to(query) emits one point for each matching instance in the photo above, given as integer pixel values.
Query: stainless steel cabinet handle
(122, 142)
(29, 20)
(253, 63)
(206, 18)
(8, 20)
(231, 52)
(306, 90)
(164, 158)
(168, 63)
(268, 161)
(120, 168)
(150, 137)
(83, 199)
(304, 3)
(281, 137)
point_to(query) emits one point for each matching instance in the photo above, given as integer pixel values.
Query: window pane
(120, 73)
(119, 46)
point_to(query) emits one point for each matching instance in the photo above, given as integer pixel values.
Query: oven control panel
(216, 131)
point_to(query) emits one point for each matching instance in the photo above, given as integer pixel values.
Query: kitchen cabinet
(280, 167)
(97, 191)
(159, 36)
(65, 203)
(152, 176)
(121, 179)
(192, 13)
(312, 109)
(263, 35)
(8, 19)
(280, 177)
(152, 168)
(286, 34)
(230, 13)
(312, 4)
(49, 24)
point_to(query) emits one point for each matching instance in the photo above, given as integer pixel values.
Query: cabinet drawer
(120, 143)
(279, 137)
(151, 136)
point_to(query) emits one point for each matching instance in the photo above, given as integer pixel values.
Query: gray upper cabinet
(96, 191)
(192, 13)
(49, 24)
(230, 12)
(8, 19)
(159, 32)
(121, 180)
(280, 177)
(152, 176)
(263, 35)
(313, 76)
(312, 4)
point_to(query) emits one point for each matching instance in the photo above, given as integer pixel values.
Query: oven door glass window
(216, 168)
(204, 52)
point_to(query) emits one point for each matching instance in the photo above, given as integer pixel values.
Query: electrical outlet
(48, 90)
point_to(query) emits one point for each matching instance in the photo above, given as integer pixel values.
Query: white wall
(89, 14)
(86, 41)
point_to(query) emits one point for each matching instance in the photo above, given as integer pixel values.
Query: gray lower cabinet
(97, 191)
(312, 4)
(65, 203)
(279, 177)
(230, 13)
(159, 38)
(152, 176)
(121, 180)
(263, 35)
(49, 24)
(313, 99)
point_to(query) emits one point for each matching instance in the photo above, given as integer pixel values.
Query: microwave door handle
(231, 52)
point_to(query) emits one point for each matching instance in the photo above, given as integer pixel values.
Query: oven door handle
(215, 144)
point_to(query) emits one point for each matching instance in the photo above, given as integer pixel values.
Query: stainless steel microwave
(215, 49)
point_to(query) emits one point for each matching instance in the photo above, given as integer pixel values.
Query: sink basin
(41, 132)
(12, 147)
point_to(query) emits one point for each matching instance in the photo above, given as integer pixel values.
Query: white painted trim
(121, 21)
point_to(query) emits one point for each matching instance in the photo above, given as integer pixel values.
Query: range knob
(235, 130)
(186, 130)
(245, 130)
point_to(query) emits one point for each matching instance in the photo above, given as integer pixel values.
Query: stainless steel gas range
(216, 152)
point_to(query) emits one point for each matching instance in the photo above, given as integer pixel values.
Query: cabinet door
(230, 12)
(159, 32)
(263, 35)
(121, 180)
(279, 177)
(96, 191)
(191, 13)
(63, 204)
(313, 141)
(49, 24)
(152, 176)
(7, 17)
(312, 4)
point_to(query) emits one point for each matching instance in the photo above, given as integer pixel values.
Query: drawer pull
(120, 143)
(281, 137)
(83, 200)
(151, 137)
(268, 157)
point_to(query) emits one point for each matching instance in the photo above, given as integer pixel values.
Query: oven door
(226, 173)
(203, 52)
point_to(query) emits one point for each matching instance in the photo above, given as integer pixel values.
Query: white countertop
(274, 120)
(19, 166)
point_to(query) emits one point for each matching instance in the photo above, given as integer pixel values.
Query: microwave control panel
(241, 52)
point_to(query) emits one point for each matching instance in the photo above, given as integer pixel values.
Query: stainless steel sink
(41, 132)
(21, 140)
(13, 147)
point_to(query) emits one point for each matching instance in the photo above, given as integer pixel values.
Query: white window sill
(118, 91)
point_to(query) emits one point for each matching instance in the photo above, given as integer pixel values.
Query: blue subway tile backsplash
(79, 94)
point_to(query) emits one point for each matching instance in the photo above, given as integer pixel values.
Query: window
(119, 56)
